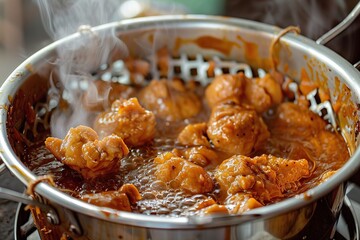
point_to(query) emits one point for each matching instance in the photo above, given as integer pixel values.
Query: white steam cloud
(78, 58)
(63, 17)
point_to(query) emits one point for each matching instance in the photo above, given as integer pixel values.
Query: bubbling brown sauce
(325, 148)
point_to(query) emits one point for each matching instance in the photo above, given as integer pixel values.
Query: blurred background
(22, 31)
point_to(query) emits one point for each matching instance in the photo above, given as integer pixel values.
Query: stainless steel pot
(311, 214)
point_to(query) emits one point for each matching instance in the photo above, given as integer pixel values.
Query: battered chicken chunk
(138, 68)
(170, 100)
(209, 206)
(259, 93)
(235, 129)
(180, 173)
(82, 151)
(201, 155)
(241, 202)
(264, 177)
(224, 88)
(128, 120)
(297, 132)
(121, 199)
(194, 135)
(100, 94)
(262, 93)
(295, 120)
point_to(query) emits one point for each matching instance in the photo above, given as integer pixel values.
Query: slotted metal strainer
(196, 68)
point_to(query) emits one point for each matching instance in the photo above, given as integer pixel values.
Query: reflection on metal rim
(2, 166)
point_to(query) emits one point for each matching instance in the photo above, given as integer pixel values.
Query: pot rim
(18, 76)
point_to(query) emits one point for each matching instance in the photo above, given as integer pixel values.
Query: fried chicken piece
(297, 132)
(128, 120)
(82, 151)
(262, 93)
(224, 88)
(137, 67)
(242, 202)
(202, 156)
(259, 93)
(121, 199)
(295, 120)
(131, 192)
(170, 100)
(335, 147)
(100, 94)
(194, 135)
(209, 206)
(180, 173)
(163, 61)
(237, 130)
(272, 86)
(265, 177)
(205, 203)
(213, 209)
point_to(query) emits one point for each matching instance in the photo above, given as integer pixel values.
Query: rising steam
(78, 58)
(63, 17)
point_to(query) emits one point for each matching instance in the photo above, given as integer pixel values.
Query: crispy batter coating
(262, 93)
(137, 66)
(209, 206)
(224, 88)
(242, 202)
(128, 120)
(272, 87)
(296, 120)
(265, 177)
(121, 199)
(82, 151)
(259, 93)
(237, 130)
(200, 155)
(180, 173)
(194, 135)
(170, 100)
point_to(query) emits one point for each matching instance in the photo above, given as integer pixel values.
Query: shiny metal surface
(351, 201)
(268, 221)
(2, 166)
(357, 65)
(51, 214)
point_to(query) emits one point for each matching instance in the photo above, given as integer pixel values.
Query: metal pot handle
(340, 27)
(51, 214)
(330, 35)
(357, 65)
(350, 201)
